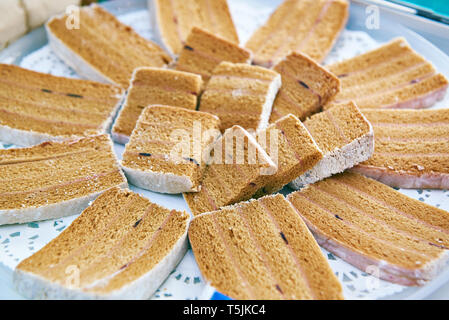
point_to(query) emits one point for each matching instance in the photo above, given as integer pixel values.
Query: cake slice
(391, 76)
(412, 148)
(13, 22)
(307, 26)
(166, 150)
(370, 225)
(236, 169)
(37, 107)
(55, 179)
(306, 87)
(100, 47)
(261, 250)
(173, 20)
(241, 94)
(203, 51)
(150, 86)
(121, 247)
(344, 136)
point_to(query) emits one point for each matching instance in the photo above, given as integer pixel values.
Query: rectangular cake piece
(173, 20)
(391, 76)
(151, 86)
(121, 247)
(55, 179)
(371, 225)
(412, 148)
(37, 107)
(262, 250)
(306, 87)
(166, 149)
(203, 51)
(99, 47)
(236, 169)
(241, 94)
(308, 26)
(344, 136)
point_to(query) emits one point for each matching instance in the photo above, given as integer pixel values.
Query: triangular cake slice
(99, 47)
(308, 26)
(37, 107)
(391, 76)
(376, 228)
(150, 86)
(173, 20)
(165, 151)
(121, 247)
(203, 51)
(237, 168)
(241, 94)
(55, 179)
(344, 136)
(412, 148)
(261, 250)
(306, 87)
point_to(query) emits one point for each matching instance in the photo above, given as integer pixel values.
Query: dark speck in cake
(188, 48)
(414, 81)
(252, 184)
(73, 95)
(192, 160)
(141, 107)
(278, 288)
(137, 223)
(338, 217)
(303, 84)
(144, 154)
(344, 75)
(284, 238)
(47, 91)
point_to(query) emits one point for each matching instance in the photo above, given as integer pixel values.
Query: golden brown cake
(121, 247)
(173, 20)
(166, 149)
(392, 76)
(37, 107)
(237, 168)
(306, 87)
(369, 224)
(150, 86)
(412, 148)
(101, 48)
(241, 94)
(55, 179)
(307, 26)
(262, 250)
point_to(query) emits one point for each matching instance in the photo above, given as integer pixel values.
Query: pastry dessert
(344, 136)
(203, 51)
(173, 20)
(241, 94)
(121, 247)
(412, 148)
(37, 107)
(150, 86)
(370, 225)
(261, 250)
(237, 168)
(166, 149)
(55, 179)
(99, 34)
(307, 26)
(392, 76)
(306, 87)
(12, 21)
(39, 11)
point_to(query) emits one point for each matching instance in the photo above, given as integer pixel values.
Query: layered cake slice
(262, 250)
(55, 179)
(306, 87)
(121, 247)
(152, 86)
(375, 228)
(412, 148)
(203, 51)
(166, 149)
(307, 26)
(37, 107)
(173, 20)
(392, 76)
(236, 169)
(99, 47)
(241, 94)
(344, 136)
